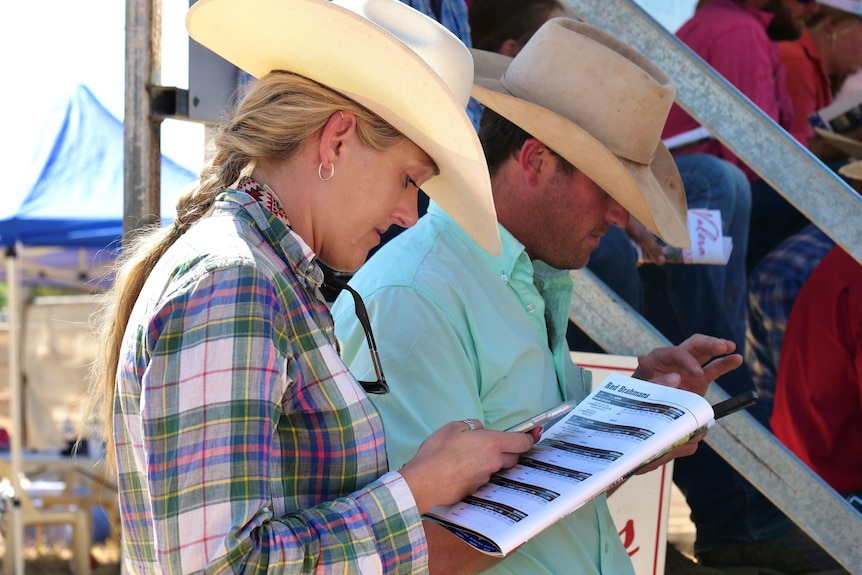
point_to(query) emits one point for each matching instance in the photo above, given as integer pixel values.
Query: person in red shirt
(830, 48)
(818, 392)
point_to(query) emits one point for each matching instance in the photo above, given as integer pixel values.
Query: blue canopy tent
(63, 220)
(65, 211)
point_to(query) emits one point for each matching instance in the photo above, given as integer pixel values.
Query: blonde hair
(278, 115)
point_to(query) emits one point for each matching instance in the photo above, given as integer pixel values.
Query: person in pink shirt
(738, 38)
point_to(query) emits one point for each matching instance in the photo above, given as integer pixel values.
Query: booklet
(622, 426)
(842, 115)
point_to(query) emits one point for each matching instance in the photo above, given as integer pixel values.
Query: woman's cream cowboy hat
(388, 57)
(600, 105)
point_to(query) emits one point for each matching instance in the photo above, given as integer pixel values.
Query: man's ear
(533, 160)
(509, 47)
(335, 133)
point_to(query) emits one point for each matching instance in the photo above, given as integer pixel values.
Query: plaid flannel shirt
(243, 442)
(772, 288)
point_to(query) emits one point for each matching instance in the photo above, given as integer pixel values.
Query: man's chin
(784, 31)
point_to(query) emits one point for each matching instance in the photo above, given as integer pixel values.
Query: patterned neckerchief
(264, 195)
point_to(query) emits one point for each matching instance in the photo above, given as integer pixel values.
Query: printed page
(622, 424)
(842, 115)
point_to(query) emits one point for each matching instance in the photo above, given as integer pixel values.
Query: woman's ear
(340, 126)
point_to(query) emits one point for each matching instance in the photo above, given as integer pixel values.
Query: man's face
(571, 216)
(790, 19)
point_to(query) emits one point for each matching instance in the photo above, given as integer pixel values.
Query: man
(737, 38)
(468, 335)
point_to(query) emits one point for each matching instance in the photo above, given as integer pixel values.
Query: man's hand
(683, 450)
(690, 365)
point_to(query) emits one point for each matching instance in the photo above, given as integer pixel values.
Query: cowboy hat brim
(654, 194)
(352, 55)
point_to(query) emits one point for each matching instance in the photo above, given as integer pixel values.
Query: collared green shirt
(464, 334)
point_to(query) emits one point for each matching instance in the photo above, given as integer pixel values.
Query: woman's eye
(411, 182)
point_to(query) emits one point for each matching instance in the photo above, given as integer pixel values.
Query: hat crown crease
(623, 85)
(439, 48)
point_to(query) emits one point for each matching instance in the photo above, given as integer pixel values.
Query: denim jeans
(714, 184)
(773, 219)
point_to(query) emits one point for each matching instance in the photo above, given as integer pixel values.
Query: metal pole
(142, 132)
(16, 439)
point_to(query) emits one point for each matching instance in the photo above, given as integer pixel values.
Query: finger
(510, 460)
(705, 347)
(679, 358)
(472, 424)
(668, 380)
(718, 367)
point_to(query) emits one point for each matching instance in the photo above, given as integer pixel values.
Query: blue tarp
(71, 194)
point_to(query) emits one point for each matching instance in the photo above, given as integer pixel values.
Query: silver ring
(470, 424)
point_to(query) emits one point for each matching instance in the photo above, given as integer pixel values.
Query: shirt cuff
(396, 523)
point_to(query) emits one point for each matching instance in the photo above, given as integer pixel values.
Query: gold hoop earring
(320, 171)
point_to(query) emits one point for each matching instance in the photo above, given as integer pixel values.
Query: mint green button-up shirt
(465, 334)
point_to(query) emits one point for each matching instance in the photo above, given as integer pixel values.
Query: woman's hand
(454, 461)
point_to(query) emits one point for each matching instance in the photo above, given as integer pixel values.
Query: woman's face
(370, 191)
(847, 47)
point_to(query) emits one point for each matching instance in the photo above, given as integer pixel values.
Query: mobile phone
(735, 403)
(546, 416)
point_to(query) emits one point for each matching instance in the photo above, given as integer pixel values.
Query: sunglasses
(378, 387)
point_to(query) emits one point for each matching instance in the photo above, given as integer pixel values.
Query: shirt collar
(258, 203)
(807, 44)
(512, 249)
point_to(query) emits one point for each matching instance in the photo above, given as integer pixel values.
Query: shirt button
(607, 547)
(531, 308)
(504, 277)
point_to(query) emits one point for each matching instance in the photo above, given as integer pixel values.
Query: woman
(242, 442)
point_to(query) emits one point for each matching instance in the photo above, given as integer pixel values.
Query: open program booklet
(623, 425)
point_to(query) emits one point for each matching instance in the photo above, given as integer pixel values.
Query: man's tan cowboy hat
(400, 64)
(600, 105)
